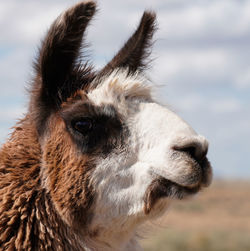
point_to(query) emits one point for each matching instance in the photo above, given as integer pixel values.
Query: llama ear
(59, 52)
(134, 53)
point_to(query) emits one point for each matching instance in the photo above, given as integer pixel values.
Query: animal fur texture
(95, 156)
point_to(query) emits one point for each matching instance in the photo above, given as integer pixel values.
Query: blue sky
(201, 63)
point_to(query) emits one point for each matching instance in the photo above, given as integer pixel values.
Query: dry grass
(218, 219)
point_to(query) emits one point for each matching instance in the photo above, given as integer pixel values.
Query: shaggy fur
(28, 218)
(95, 156)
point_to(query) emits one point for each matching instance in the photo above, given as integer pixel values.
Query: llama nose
(196, 147)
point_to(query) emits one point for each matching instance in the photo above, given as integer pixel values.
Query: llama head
(111, 155)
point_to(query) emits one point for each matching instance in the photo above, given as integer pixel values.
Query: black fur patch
(107, 131)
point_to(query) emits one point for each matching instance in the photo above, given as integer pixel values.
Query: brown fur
(67, 176)
(28, 219)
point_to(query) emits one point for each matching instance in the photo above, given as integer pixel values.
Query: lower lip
(162, 188)
(169, 189)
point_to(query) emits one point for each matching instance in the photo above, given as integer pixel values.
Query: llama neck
(115, 240)
(28, 219)
(116, 234)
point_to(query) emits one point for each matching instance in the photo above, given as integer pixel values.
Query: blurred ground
(218, 219)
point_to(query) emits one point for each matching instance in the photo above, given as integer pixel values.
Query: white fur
(121, 179)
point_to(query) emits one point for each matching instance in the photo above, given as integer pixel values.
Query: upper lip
(203, 176)
(197, 180)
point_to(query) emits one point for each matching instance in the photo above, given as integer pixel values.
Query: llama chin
(96, 155)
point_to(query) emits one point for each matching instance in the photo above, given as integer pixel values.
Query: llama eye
(83, 125)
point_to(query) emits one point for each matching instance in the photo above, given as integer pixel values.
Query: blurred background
(202, 69)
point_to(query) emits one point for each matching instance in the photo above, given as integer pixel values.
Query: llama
(95, 156)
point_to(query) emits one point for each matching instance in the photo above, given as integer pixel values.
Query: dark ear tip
(149, 16)
(148, 22)
(89, 7)
(85, 8)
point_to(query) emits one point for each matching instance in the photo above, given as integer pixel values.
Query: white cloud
(194, 102)
(242, 79)
(224, 105)
(171, 63)
(190, 103)
(15, 69)
(30, 20)
(203, 19)
(8, 118)
(11, 114)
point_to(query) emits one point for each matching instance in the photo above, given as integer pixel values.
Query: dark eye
(83, 125)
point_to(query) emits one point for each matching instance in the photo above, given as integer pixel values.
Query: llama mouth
(162, 187)
(194, 184)
(200, 176)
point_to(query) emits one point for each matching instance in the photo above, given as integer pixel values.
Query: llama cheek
(68, 181)
(122, 194)
(73, 198)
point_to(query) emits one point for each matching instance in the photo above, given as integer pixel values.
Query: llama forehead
(119, 87)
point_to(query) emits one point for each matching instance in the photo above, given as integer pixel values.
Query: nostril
(190, 150)
(195, 149)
